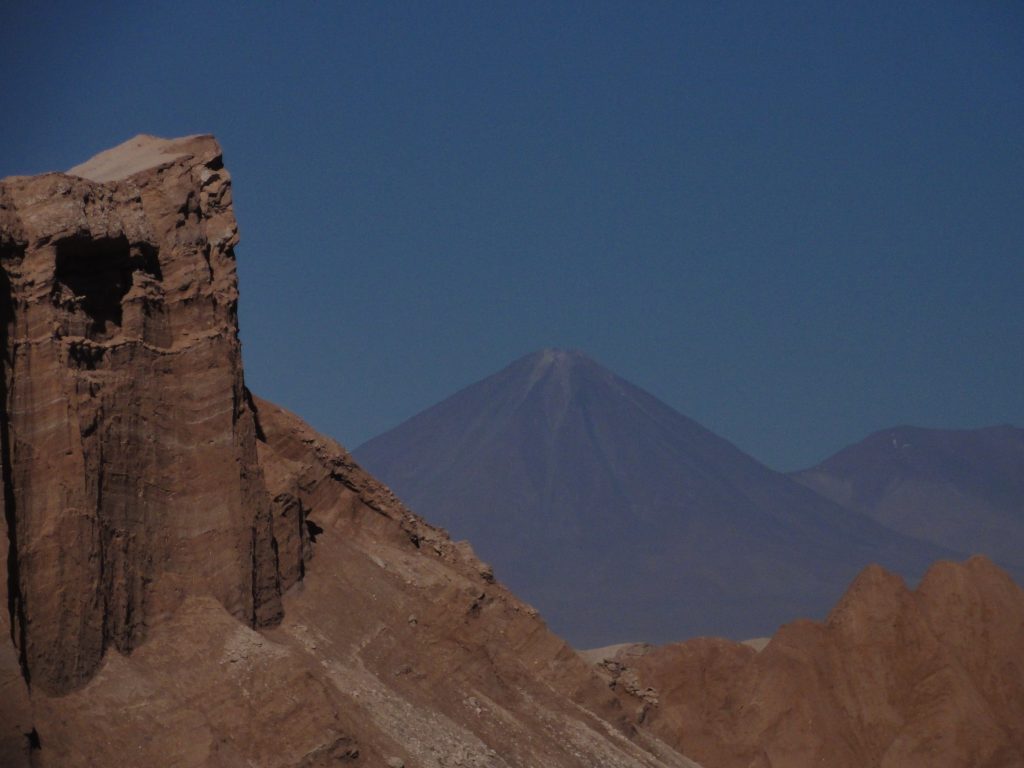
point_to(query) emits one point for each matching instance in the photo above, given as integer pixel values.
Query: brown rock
(197, 577)
(893, 678)
(129, 457)
(491, 685)
(15, 706)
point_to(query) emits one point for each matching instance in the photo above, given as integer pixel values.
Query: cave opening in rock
(34, 742)
(313, 530)
(98, 272)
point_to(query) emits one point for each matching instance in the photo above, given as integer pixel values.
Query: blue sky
(794, 222)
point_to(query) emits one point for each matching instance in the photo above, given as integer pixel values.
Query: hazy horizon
(794, 224)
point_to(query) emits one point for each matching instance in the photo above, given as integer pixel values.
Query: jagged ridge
(893, 678)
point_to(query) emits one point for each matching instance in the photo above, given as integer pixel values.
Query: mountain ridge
(195, 576)
(893, 677)
(559, 471)
(953, 487)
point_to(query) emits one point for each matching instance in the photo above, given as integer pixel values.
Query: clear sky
(795, 222)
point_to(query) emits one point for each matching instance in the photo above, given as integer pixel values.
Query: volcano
(193, 576)
(959, 488)
(619, 518)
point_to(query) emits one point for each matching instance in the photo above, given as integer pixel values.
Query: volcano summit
(620, 518)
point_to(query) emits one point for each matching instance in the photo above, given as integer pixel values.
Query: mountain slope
(955, 488)
(893, 679)
(620, 518)
(193, 577)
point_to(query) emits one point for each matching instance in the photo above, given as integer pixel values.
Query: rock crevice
(12, 254)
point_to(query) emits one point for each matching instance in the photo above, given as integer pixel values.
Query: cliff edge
(194, 576)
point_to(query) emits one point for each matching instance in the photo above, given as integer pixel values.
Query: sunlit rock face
(894, 678)
(129, 447)
(162, 595)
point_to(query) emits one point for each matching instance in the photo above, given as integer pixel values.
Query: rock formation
(129, 459)
(195, 577)
(894, 678)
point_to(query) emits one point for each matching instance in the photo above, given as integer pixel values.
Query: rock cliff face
(196, 577)
(894, 678)
(129, 452)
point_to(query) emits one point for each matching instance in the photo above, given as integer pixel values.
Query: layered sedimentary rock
(129, 456)
(396, 645)
(894, 678)
(196, 578)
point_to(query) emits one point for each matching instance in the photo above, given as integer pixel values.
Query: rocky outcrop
(195, 577)
(129, 451)
(425, 645)
(894, 678)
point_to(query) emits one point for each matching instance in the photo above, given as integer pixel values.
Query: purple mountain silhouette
(618, 517)
(961, 489)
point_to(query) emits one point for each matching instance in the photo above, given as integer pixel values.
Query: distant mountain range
(961, 489)
(620, 518)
